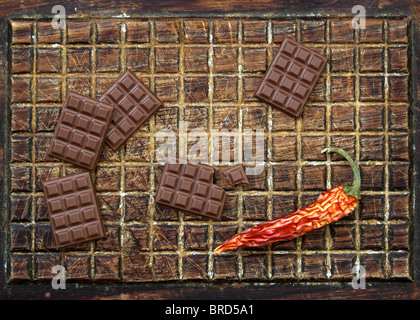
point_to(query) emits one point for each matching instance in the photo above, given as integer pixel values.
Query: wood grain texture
(210, 98)
(383, 107)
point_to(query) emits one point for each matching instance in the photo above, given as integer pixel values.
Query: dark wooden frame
(184, 8)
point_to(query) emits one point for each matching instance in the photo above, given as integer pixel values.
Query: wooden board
(205, 70)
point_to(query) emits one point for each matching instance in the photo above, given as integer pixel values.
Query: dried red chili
(330, 206)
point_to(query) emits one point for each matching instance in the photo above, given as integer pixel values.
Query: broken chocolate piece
(235, 175)
(134, 105)
(189, 187)
(80, 132)
(291, 77)
(73, 209)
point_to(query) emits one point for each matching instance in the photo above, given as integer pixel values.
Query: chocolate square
(73, 209)
(235, 175)
(134, 105)
(189, 187)
(80, 131)
(291, 77)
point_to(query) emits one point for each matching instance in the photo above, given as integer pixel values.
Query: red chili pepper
(330, 206)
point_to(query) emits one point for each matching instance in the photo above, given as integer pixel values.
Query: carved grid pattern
(205, 71)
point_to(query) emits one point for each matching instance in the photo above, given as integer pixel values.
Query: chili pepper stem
(330, 206)
(350, 189)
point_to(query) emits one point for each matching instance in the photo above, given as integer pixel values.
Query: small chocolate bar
(73, 209)
(80, 132)
(235, 175)
(189, 187)
(134, 105)
(291, 77)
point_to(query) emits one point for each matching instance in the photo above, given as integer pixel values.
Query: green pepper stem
(353, 189)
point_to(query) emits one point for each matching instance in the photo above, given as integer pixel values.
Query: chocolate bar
(235, 175)
(73, 209)
(134, 105)
(291, 77)
(80, 132)
(189, 187)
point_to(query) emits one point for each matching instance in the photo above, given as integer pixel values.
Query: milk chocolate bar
(134, 105)
(291, 77)
(80, 132)
(189, 187)
(235, 175)
(73, 209)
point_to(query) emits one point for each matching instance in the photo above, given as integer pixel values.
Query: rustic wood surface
(205, 69)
